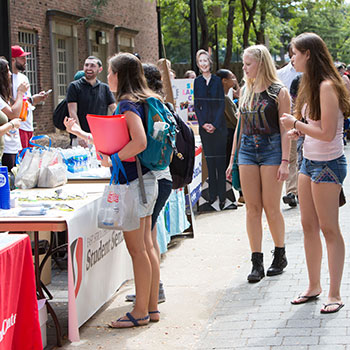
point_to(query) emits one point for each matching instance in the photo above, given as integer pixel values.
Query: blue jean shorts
(260, 150)
(331, 171)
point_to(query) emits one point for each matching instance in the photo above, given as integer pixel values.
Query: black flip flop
(306, 297)
(324, 311)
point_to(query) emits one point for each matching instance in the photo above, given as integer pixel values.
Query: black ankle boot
(258, 268)
(279, 262)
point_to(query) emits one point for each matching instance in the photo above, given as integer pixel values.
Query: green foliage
(284, 19)
(176, 29)
(96, 9)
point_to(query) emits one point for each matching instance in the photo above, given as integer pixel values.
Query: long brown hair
(5, 85)
(132, 83)
(319, 67)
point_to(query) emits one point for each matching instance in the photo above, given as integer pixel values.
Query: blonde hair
(266, 76)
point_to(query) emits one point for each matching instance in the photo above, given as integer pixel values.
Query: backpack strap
(145, 119)
(142, 184)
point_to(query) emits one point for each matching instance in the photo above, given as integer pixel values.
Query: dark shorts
(260, 150)
(164, 190)
(331, 171)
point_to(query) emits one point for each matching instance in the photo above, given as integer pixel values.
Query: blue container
(4, 188)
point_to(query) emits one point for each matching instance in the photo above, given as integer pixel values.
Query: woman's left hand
(283, 172)
(287, 120)
(105, 160)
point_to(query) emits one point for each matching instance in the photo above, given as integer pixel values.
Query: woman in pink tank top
(322, 101)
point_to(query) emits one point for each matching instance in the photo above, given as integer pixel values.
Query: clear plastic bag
(118, 208)
(119, 203)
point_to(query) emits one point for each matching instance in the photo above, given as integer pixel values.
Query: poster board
(183, 97)
(163, 66)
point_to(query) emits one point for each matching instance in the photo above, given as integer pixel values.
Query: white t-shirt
(287, 75)
(16, 80)
(3, 104)
(12, 142)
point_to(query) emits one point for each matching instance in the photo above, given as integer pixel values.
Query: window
(28, 41)
(125, 39)
(62, 71)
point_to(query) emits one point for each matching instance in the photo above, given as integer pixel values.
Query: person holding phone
(19, 62)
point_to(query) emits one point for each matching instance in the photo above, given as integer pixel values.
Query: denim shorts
(331, 171)
(151, 189)
(260, 150)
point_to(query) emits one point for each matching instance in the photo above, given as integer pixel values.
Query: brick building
(54, 32)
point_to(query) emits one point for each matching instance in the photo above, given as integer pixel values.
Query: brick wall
(139, 15)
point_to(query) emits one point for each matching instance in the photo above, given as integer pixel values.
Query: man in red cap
(19, 61)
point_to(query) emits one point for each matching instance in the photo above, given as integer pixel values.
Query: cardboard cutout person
(209, 104)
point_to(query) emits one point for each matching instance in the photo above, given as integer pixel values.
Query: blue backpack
(159, 151)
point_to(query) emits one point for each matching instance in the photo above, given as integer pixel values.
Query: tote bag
(119, 203)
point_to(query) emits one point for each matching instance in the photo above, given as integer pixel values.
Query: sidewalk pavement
(210, 304)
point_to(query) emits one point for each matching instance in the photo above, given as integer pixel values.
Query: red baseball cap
(17, 51)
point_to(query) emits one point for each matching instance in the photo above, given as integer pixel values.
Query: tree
(203, 22)
(229, 32)
(245, 22)
(247, 19)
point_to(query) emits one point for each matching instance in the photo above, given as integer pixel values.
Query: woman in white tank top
(322, 101)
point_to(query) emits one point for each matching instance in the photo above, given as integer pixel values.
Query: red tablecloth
(19, 318)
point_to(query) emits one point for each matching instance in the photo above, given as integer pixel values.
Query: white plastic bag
(40, 166)
(28, 171)
(53, 171)
(119, 203)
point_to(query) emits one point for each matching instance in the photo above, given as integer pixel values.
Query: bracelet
(296, 120)
(285, 160)
(13, 126)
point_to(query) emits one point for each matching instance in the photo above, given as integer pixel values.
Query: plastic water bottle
(24, 110)
(4, 188)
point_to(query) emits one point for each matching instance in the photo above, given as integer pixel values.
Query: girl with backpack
(126, 78)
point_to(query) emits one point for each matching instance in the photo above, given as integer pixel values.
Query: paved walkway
(260, 316)
(210, 305)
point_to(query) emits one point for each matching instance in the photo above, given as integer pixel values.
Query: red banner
(19, 319)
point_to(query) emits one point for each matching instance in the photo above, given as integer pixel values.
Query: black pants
(229, 143)
(9, 160)
(214, 147)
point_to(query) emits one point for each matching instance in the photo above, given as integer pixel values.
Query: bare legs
(319, 210)
(262, 191)
(146, 271)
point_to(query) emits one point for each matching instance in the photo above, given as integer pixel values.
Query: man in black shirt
(89, 96)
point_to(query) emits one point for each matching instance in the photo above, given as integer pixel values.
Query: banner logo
(113, 197)
(6, 324)
(76, 249)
